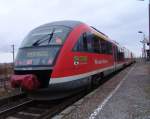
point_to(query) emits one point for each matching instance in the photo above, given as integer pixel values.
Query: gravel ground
(83, 108)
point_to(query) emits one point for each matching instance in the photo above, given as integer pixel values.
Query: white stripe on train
(79, 76)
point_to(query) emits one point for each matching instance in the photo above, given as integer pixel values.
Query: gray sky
(119, 19)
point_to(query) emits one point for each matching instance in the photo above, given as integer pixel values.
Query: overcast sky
(119, 19)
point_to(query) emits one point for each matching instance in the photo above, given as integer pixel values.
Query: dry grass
(6, 70)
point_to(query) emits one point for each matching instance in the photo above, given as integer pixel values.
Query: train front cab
(38, 55)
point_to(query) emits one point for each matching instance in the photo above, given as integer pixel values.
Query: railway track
(12, 100)
(31, 109)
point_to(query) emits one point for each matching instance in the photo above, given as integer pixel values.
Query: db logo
(76, 62)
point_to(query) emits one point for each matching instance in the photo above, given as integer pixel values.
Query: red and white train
(60, 58)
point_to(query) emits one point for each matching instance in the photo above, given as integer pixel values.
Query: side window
(89, 38)
(89, 42)
(109, 48)
(84, 43)
(96, 44)
(115, 53)
(120, 54)
(81, 44)
(93, 43)
(106, 47)
(103, 46)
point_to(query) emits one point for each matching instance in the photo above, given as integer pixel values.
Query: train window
(106, 47)
(96, 44)
(109, 48)
(49, 35)
(103, 46)
(93, 43)
(120, 54)
(81, 44)
(88, 42)
(89, 37)
(37, 56)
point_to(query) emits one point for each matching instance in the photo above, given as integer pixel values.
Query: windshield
(46, 35)
(36, 56)
(41, 46)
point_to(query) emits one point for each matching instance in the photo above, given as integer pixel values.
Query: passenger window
(89, 42)
(106, 47)
(81, 44)
(96, 44)
(103, 46)
(120, 54)
(93, 43)
(109, 48)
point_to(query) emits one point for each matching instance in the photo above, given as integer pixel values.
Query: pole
(144, 51)
(149, 23)
(13, 52)
(144, 41)
(144, 46)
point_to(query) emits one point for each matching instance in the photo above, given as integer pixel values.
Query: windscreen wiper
(51, 36)
(38, 42)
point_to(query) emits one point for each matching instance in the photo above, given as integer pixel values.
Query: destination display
(36, 56)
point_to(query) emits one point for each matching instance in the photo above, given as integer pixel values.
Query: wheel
(101, 79)
(97, 79)
(89, 84)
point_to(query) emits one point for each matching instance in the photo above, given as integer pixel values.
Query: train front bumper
(28, 82)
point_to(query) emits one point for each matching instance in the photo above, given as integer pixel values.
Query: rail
(38, 109)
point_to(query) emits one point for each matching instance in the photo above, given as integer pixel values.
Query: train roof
(67, 23)
(72, 24)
